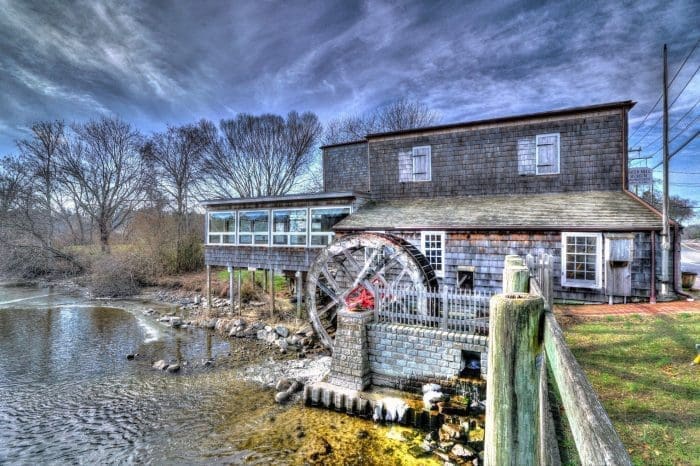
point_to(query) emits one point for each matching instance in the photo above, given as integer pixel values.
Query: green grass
(640, 368)
(280, 280)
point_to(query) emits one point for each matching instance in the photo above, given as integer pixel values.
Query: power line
(688, 141)
(686, 85)
(676, 123)
(659, 99)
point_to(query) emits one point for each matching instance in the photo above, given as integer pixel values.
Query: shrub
(120, 275)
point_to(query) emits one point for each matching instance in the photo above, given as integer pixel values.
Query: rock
(211, 323)
(175, 321)
(283, 384)
(300, 433)
(197, 299)
(208, 363)
(461, 451)
(296, 386)
(172, 368)
(238, 323)
(282, 331)
(450, 432)
(282, 397)
(130, 357)
(431, 387)
(282, 344)
(362, 434)
(431, 398)
(161, 365)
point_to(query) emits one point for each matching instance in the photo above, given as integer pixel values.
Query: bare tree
(397, 115)
(261, 155)
(176, 158)
(101, 166)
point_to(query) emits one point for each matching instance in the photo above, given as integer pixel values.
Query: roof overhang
(285, 198)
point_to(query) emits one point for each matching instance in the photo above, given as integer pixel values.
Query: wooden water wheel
(351, 270)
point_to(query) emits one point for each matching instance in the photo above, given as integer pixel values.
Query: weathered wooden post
(512, 395)
(272, 292)
(230, 287)
(512, 386)
(240, 297)
(209, 287)
(298, 288)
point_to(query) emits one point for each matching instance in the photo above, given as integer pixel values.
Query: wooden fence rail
(458, 310)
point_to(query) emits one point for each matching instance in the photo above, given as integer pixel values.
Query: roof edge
(288, 197)
(339, 144)
(626, 104)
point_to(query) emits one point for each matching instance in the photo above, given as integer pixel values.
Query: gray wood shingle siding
(345, 168)
(484, 160)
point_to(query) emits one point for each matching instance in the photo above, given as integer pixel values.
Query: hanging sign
(640, 176)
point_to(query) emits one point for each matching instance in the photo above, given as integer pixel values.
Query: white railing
(458, 310)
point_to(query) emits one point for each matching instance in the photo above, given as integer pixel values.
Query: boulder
(282, 331)
(130, 357)
(282, 344)
(172, 368)
(282, 397)
(175, 321)
(283, 384)
(462, 451)
(450, 432)
(160, 365)
(296, 386)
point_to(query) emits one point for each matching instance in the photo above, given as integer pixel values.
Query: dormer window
(547, 162)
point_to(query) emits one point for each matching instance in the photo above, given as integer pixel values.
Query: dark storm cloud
(169, 62)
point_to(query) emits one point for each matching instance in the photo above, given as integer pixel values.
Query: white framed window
(254, 227)
(289, 227)
(221, 227)
(322, 221)
(547, 154)
(432, 245)
(581, 259)
(421, 165)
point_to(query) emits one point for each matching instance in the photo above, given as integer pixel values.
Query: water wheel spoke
(331, 281)
(326, 308)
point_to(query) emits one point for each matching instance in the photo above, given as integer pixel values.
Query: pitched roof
(576, 211)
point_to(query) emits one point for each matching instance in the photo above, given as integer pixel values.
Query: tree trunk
(104, 239)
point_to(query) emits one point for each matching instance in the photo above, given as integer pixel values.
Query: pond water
(68, 394)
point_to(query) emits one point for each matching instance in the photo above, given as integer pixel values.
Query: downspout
(652, 298)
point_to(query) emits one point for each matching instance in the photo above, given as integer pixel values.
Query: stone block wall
(350, 367)
(404, 353)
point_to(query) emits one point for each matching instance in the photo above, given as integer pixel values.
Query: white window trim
(235, 230)
(238, 231)
(288, 234)
(443, 236)
(598, 261)
(329, 234)
(537, 153)
(413, 164)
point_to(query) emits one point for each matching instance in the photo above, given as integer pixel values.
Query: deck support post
(272, 292)
(209, 287)
(240, 298)
(230, 288)
(298, 288)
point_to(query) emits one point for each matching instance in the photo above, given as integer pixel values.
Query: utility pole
(665, 240)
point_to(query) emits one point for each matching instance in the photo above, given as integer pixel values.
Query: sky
(155, 63)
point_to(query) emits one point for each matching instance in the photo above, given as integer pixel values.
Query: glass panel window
(322, 222)
(581, 260)
(253, 227)
(289, 227)
(547, 154)
(222, 228)
(433, 247)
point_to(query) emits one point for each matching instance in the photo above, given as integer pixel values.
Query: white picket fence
(458, 310)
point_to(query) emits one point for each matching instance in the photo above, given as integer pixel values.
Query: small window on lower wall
(465, 278)
(432, 244)
(581, 259)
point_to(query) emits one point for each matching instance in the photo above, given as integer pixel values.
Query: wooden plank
(549, 446)
(596, 440)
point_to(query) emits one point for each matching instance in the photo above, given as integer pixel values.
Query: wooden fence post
(240, 297)
(512, 395)
(298, 288)
(272, 292)
(516, 276)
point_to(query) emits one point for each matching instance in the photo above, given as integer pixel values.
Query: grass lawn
(640, 368)
(280, 280)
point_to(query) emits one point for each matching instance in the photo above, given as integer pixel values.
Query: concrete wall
(405, 354)
(345, 168)
(485, 159)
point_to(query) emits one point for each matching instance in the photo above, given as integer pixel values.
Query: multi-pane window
(433, 247)
(222, 228)
(547, 154)
(289, 227)
(322, 221)
(253, 227)
(421, 163)
(581, 259)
